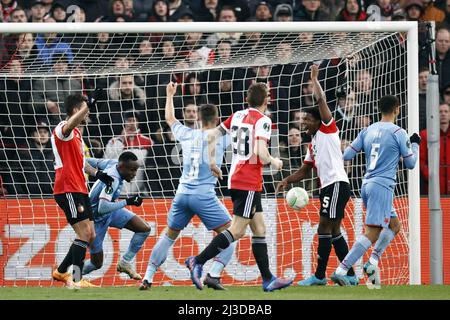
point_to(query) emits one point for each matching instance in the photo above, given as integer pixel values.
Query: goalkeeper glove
(415, 138)
(134, 201)
(103, 177)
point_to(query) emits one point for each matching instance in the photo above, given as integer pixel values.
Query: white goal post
(408, 29)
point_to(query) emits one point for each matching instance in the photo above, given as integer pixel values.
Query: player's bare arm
(75, 120)
(262, 152)
(171, 88)
(297, 176)
(321, 99)
(213, 135)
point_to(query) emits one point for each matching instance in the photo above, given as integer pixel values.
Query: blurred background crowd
(129, 112)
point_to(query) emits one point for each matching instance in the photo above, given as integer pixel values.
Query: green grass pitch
(238, 293)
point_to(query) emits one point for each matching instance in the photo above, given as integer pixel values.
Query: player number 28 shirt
(324, 152)
(245, 127)
(69, 161)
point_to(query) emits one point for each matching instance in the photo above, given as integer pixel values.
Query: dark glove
(415, 138)
(134, 201)
(96, 95)
(103, 177)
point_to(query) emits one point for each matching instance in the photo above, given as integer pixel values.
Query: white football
(297, 198)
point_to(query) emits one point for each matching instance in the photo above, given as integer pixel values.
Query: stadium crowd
(129, 111)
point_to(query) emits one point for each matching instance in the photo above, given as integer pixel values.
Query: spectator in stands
(176, 9)
(122, 95)
(116, 8)
(190, 115)
(380, 10)
(446, 93)
(193, 89)
(18, 15)
(15, 108)
(240, 7)
(444, 162)
(263, 12)
(431, 12)
(26, 50)
(307, 94)
(226, 14)
(160, 11)
(49, 93)
(283, 13)
(129, 10)
(7, 7)
(94, 10)
(195, 49)
(131, 139)
(220, 93)
(50, 44)
(47, 5)
(309, 10)
(78, 14)
(344, 113)
(58, 12)
(223, 50)
(38, 11)
(353, 11)
(443, 54)
(423, 78)
(168, 48)
(413, 9)
(207, 11)
(249, 41)
(37, 161)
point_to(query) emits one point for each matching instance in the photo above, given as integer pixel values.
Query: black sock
(67, 262)
(341, 249)
(259, 247)
(78, 255)
(323, 253)
(219, 243)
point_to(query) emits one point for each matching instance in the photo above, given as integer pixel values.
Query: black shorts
(333, 199)
(76, 206)
(246, 203)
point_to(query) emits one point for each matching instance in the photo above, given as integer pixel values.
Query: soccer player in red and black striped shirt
(70, 189)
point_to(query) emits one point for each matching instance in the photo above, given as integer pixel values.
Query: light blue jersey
(195, 194)
(196, 177)
(384, 143)
(107, 211)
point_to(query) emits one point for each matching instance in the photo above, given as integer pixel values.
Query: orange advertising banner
(34, 238)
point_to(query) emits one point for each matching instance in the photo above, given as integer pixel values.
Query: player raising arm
(108, 212)
(250, 131)
(195, 194)
(384, 143)
(324, 153)
(70, 189)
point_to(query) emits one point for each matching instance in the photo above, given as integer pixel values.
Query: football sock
(221, 260)
(259, 247)
(341, 249)
(78, 255)
(158, 256)
(219, 243)
(136, 243)
(383, 241)
(359, 248)
(323, 253)
(88, 267)
(67, 262)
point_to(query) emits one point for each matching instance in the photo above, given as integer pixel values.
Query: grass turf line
(233, 293)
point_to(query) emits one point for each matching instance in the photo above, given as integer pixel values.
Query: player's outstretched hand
(277, 163)
(215, 170)
(314, 72)
(281, 186)
(415, 138)
(134, 201)
(103, 177)
(171, 89)
(96, 95)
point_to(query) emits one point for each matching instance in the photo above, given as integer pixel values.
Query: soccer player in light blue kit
(384, 143)
(195, 194)
(111, 213)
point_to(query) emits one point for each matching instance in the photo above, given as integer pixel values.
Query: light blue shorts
(378, 201)
(207, 207)
(116, 219)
